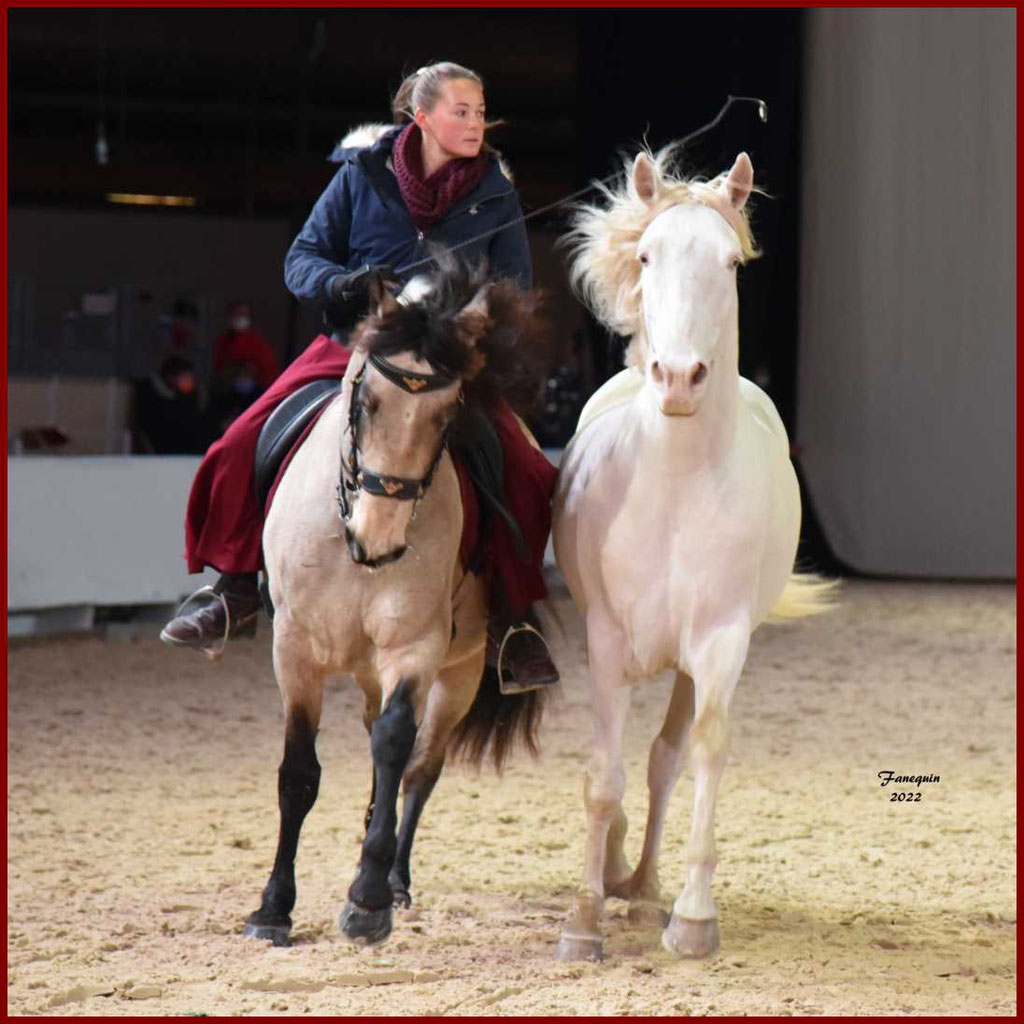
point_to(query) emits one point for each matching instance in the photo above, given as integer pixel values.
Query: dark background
(239, 110)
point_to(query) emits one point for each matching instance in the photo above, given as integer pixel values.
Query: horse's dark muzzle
(358, 553)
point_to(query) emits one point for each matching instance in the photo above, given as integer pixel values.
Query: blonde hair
(422, 89)
(605, 271)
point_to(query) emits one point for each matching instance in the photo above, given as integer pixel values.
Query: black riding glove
(348, 295)
(347, 288)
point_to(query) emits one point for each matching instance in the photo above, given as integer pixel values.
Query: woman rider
(430, 180)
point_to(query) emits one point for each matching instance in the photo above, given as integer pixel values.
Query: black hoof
(276, 934)
(366, 927)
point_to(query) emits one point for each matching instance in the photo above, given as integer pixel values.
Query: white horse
(676, 522)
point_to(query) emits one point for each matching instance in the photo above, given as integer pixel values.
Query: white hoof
(690, 939)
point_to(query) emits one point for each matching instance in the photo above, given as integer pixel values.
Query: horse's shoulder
(590, 450)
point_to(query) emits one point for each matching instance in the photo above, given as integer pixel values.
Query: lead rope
(762, 110)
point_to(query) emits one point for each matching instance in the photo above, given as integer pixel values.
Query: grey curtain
(906, 413)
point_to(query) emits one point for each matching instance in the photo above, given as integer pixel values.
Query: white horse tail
(805, 593)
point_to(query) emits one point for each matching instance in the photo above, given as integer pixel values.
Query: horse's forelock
(498, 353)
(603, 239)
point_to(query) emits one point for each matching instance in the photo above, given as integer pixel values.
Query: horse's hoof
(643, 912)
(276, 934)
(580, 947)
(690, 939)
(365, 927)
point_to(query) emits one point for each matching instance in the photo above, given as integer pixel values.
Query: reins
(762, 109)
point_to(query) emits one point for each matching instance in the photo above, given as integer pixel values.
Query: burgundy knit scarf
(429, 200)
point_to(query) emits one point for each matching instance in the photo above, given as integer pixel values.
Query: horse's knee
(298, 777)
(603, 789)
(394, 732)
(709, 733)
(298, 785)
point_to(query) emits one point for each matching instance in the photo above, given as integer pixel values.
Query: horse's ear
(473, 320)
(382, 299)
(738, 182)
(645, 178)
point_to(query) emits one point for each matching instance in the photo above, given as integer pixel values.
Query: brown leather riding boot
(208, 624)
(520, 653)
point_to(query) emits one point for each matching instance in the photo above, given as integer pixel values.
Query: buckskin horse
(362, 551)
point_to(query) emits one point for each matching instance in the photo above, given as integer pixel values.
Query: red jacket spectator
(240, 348)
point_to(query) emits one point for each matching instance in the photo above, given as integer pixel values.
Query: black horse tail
(498, 723)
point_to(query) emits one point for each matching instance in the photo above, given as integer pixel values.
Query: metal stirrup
(523, 627)
(215, 652)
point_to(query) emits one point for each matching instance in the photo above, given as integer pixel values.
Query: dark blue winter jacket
(361, 219)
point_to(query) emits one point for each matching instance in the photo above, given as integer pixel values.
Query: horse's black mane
(506, 358)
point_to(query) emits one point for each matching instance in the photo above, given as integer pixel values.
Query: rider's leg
(224, 522)
(529, 481)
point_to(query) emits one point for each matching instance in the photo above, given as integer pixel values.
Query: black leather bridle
(355, 478)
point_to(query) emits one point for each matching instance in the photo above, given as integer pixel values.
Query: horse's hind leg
(367, 914)
(693, 929)
(641, 888)
(450, 698)
(298, 781)
(603, 788)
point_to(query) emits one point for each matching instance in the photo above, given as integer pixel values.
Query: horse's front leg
(603, 786)
(450, 699)
(301, 685)
(641, 888)
(693, 928)
(367, 914)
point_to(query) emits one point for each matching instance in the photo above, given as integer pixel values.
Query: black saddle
(283, 429)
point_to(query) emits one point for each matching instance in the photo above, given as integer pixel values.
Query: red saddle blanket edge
(470, 502)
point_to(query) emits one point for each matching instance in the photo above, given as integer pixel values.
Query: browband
(410, 380)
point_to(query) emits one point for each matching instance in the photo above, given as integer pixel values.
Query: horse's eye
(734, 262)
(643, 258)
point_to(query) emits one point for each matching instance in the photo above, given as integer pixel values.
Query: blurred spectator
(555, 421)
(168, 418)
(244, 366)
(184, 327)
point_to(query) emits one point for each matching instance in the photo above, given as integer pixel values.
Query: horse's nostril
(698, 374)
(656, 371)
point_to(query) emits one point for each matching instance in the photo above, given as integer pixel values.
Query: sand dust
(142, 820)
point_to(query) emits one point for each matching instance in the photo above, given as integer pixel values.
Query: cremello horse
(378, 591)
(676, 520)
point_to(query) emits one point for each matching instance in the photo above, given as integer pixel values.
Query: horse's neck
(680, 445)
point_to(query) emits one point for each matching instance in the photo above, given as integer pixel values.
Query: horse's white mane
(365, 135)
(605, 271)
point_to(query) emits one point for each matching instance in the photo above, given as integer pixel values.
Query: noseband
(355, 478)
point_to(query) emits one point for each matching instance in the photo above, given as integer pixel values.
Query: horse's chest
(674, 559)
